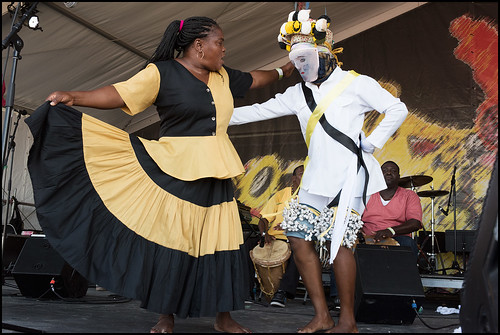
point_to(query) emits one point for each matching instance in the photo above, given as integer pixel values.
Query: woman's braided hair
(178, 40)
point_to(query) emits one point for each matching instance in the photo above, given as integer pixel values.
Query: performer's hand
(60, 97)
(366, 146)
(269, 238)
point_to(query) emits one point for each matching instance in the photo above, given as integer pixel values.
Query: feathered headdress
(301, 29)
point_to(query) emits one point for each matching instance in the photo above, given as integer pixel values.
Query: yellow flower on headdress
(293, 27)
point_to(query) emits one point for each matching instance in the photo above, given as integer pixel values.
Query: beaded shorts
(303, 221)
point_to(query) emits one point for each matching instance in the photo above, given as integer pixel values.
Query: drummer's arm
(408, 227)
(413, 214)
(263, 224)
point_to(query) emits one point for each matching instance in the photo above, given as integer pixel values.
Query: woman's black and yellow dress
(155, 221)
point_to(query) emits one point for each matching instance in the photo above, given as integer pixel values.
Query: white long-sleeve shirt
(329, 160)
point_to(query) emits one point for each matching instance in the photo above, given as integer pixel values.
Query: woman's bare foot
(318, 323)
(225, 323)
(344, 328)
(164, 325)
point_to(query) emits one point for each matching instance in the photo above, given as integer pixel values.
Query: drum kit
(416, 181)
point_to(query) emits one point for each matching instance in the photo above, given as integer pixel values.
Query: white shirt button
(213, 118)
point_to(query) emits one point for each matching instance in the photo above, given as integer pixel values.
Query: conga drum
(270, 264)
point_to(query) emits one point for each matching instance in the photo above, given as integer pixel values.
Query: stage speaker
(37, 264)
(479, 297)
(387, 284)
(464, 238)
(11, 250)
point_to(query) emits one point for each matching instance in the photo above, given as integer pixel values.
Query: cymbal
(432, 193)
(414, 181)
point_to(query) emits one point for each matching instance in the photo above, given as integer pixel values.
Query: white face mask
(306, 61)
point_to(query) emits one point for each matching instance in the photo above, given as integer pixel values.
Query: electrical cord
(115, 298)
(414, 306)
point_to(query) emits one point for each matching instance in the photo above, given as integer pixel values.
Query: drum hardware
(432, 255)
(414, 181)
(453, 193)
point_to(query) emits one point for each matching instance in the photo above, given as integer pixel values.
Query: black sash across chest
(340, 137)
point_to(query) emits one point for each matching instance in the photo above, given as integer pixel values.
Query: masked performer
(340, 171)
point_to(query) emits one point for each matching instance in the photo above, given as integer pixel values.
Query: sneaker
(279, 299)
(334, 304)
(249, 300)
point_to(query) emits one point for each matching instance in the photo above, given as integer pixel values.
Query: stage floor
(104, 312)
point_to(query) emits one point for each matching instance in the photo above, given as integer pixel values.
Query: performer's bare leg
(345, 276)
(309, 267)
(164, 325)
(225, 323)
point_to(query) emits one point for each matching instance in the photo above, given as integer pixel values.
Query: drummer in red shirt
(395, 212)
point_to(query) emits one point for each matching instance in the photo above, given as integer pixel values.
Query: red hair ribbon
(182, 23)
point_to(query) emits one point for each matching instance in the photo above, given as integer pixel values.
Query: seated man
(394, 212)
(270, 230)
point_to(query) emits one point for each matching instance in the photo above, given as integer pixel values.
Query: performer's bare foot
(344, 328)
(318, 323)
(164, 325)
(225, 323)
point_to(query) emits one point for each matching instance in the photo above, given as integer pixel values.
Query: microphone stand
(455, 264)
(453, 194)
(12, 147)
(14, 40)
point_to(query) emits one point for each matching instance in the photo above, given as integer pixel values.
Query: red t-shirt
(404, 205)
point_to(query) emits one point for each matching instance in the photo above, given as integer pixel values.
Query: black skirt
(124, 224)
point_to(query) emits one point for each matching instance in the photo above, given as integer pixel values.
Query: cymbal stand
(432, 258)
(434, 244)
(414, 189)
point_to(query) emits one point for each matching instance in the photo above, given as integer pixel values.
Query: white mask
(305, 58)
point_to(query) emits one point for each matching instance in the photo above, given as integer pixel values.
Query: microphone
(443, 211)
